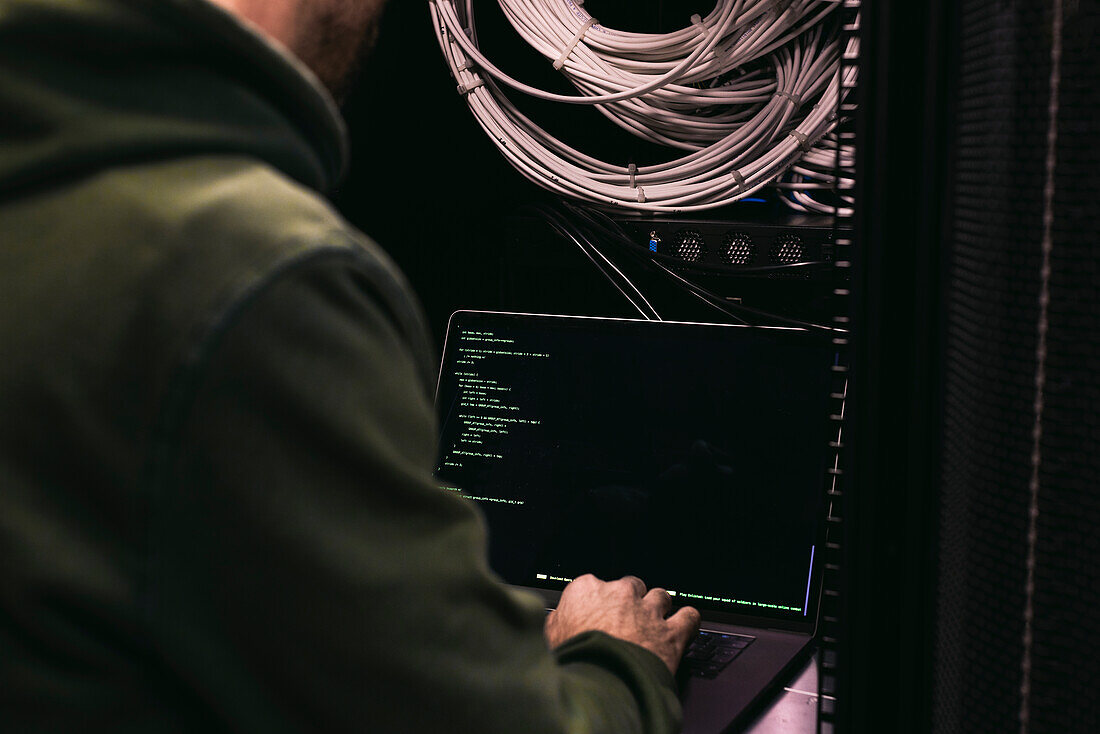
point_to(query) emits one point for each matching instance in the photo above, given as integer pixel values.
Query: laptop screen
(689, 455)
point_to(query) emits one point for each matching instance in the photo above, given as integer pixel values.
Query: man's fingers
(586, 581)
(659, 599)
(624, 609)
(685, 621)
(636, 583)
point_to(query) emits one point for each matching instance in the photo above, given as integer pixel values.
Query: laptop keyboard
(710, 652)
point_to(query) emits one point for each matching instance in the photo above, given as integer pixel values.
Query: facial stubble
(334, 38)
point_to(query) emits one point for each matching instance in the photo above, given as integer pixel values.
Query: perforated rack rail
(829, 626)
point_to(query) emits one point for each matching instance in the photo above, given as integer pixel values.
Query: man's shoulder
(224, 228)
(225, 211)
(197, 235)
(141, 264)
(206, 230)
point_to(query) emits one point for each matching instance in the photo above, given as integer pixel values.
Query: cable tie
(739, 179)
(461, 62)
(792, 98)
(803, 141)
(573, 44)
(465, 89)
(704, 30)
(632, 169)
(641, 195)
(697, 21)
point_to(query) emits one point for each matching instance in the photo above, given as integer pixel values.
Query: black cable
(615, 233)
(567, 230)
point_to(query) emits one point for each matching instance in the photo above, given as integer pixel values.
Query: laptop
(690, 455)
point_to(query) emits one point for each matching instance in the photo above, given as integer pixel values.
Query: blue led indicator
(653, 245)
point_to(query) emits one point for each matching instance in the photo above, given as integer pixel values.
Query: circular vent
(689, 245)
(787, 249)
(738, 249)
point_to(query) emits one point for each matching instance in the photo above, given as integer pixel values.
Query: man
(216, 433)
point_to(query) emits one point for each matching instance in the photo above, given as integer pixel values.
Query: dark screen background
(691, 456)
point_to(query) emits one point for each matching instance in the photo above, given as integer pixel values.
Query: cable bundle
(820, 169)
(746, 91)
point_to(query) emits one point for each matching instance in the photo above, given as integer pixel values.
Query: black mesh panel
(993, 288)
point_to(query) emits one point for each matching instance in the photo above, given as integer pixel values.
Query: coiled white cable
(747, 91)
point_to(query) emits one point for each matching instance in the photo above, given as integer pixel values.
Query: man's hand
(625, 610)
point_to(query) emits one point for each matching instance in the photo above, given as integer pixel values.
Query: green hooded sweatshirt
(217, 510)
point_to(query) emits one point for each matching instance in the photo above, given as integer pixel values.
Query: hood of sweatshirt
(87, 84)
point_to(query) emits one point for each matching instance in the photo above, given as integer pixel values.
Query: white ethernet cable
(820, 170)
(748, 91)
